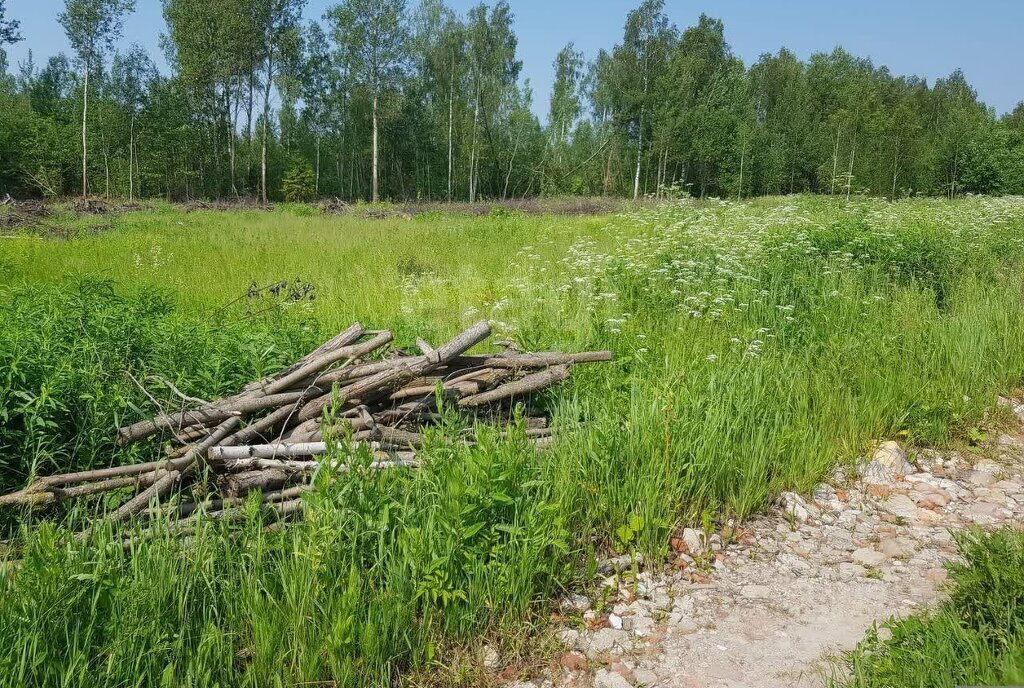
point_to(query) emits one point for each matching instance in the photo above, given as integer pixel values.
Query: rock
(795, 506)
(825, 496)
(868, 557)
(1008, 486)
(661, 601)
(640, 625)
(891, 456)
(981, 478)
(570, 637)
(875, 474)
(573, 661)
(615, 621)
(901, 506)
(931, 500)
(848, 571)
(984, 513)
(575, 603)
(610, 679)
(491, 658)
(897, 548)
(606, 640)
(645, 677)
(620, 563)
(755, 592)
(695, 541)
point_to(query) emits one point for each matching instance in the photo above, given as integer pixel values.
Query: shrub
(299, 183)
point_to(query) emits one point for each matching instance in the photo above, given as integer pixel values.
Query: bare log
(238, 484)
(525, 385)
(344, 338)
(164, 484)
(404, 370)
(213, 414)
(324, 360)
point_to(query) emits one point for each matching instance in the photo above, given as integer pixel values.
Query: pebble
(610, 679)
(891, 456)
(694, 541)
(794, 505)
(868, 557)
(901, 506)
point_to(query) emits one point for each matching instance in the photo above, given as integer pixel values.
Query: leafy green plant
(299, 184)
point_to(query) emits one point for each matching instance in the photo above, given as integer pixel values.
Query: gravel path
(774, 605)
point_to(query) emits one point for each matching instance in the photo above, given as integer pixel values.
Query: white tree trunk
(85, 111)
(639, 152)
(375, 194)
(472, 150)
(451, 99)
(131, 160)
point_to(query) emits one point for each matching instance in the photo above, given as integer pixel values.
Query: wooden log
(344, 338)
(381, 460)
(165, 483)
(317, 364)
(270, 451)
(239, 484)
(453, 389)
(220, 504)
(541, 359)
(212, 414)
(525, 385)
(404, 370)
(399, 439)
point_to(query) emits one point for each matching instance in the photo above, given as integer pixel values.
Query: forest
(378, 100)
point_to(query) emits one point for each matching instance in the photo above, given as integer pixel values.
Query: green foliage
(299, 184)
(665, 108)
(756, 343)
(73, 357)
(976, 638)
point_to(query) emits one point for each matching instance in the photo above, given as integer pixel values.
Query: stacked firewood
(270, 437)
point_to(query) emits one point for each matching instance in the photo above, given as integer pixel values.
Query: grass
(976, 638)
(757, 344)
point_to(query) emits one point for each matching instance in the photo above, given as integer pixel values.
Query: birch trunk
(85, 111)
(375, 196)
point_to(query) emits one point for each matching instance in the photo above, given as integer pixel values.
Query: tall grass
(757, 345)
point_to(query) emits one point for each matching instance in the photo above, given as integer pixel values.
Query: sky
(928, 38)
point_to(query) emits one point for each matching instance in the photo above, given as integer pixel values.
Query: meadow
(758, 344)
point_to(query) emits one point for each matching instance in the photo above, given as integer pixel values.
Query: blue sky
(929, 38)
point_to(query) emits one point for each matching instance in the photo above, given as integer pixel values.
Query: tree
(565, 93)
(280, 50)
(130, 76)
(636, 66)
(8, 27)
(92, 26)
(372, 37)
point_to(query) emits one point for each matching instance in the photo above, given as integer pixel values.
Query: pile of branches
(270, 437)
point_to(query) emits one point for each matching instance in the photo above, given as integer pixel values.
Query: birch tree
(372, 36)
(92, 27)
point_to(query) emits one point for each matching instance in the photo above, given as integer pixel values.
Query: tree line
(380, 100)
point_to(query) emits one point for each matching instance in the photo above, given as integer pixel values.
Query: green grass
(757, 345)
(976, 638)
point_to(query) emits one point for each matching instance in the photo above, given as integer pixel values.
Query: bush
(299, 184)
